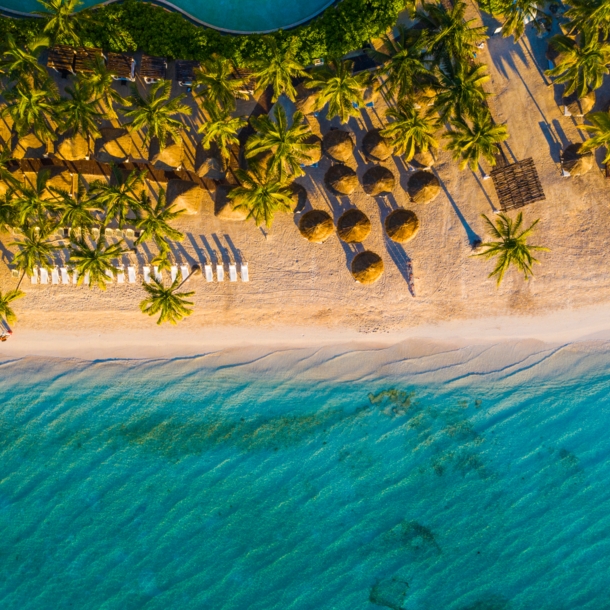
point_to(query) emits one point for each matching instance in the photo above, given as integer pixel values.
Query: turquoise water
(174, 485)
(239, 16)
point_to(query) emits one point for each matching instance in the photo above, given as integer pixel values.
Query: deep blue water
(167, 485)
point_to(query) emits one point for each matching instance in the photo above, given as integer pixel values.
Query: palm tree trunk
(20, 280)
(194, 270)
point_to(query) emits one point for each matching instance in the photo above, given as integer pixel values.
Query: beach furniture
(209, 276)
(44, 275)
(120, 276)
(75, 277)
(34, 276)
(15, 272)
(184, 272)
(220, 273)
(158, 274)
(65, 277)
(245, 276)
(146, 272)
(95, 232)
(110, 275)
(87, 279)
(185, 72)
(233, 272)
(131, 274)
(174, 273)
(108, 232)
(129, 233)
(55, 276)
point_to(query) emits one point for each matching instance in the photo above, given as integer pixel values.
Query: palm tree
(171, 305)
(583, 62)
(262, 194)
(155, 111)
(35, 204)
(63, 26)
(34, 249)
(287, 144)
(410, 130)
(511, 248)
(601, 133)
(278, 68)
(100, 82)
(215, 83)
(339, 88)
(19, 60)
(154, 220)
(6, 299)
(469, 141)
(76, 210)
(221, 129)
(450, 35)
(520, 12)
(119, 196)
(460, 89)
(97, 261)
(8, 212)
(594, 14)
(403, 62)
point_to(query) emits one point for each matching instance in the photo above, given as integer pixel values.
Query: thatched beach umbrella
(573, 163)
(422, 159)
(315, 154)
(316, 226)
(401, 225)
(338, 145)
(185, 195)
(223, 206)
(114, 146)
(208, 163)
(377, 180)
(575, 106)
(72, 147)
(28, 147)
(423, 187)
(298, 196)
(367, 267)
(306, 99)
(168, 158)
(354, 226)
(341, 179)
(375, 147)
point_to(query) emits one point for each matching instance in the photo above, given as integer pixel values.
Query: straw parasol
(316, 226)
(401, 225)
(377, 180)
(114, 146)
(315, 154)
(223, 206)
(28, 147)
(423, 187)
(338, 145)
(422, 159)
(575, 163)
(306, 99)
(341, 179)
(185, 195)
(367, 267)
(375, 147)
(298, 196)
(579, 106)
(208, 163)
(72, 147)
(354, 226)
(168, 158)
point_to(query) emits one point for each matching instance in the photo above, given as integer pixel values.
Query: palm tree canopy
(8, 212)
(518, 12)
(471, 140)
(511, 247)
(34, 249)
(215, 82)
(171, 305)
(154, 220)
(593, 14)
(62, 25)
(99, 80)
(600, 129)
(96, 261)
(220, 129)
(339, 88)
(22, 60)
(35, 203)
(6, 311)
(287, 144)
(410, 130)
(76, 211)
(584, 61)
(77, 112)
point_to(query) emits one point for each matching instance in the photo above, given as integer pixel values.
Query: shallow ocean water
(175, 485)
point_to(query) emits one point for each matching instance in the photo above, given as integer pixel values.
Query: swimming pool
(236, 16)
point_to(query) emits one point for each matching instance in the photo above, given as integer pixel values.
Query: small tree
(600, 129)
(6, 299)
(19, 61)
(34, 249)
(216, 84)
(96, 261)
(221, 129)
(171, 305)
(154, 220)
(99, 81)
(76, 210)
(62, 24)
(520, 12)
(35, 204)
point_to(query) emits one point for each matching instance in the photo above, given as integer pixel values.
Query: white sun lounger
(131, 274)
(184, 272)
(158, 274)
(110, 275)
(220, 273)
(146, 272)
(174, 272)
(75, 277)
(65, 277)
(233, 272)
(55, 276)
(209, 276)
(34, 276)
(245, 276)
(120, 276)
(44, 275)
(87, 280)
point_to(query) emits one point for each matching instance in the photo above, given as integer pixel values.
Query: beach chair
(15, 272)
(174, 273)
(75, 277)
(146, 272)
(129, 234)
(110, 275)
(44, 275)
(220, 273)
(65, 278)
(95, 232)
(34, 276)
(209, 276)
(245, 276)
(184, 271)
(55, 276)
(87, 279)
(158, 274)
(131, 274)
(108, 232)
(233, 272)
(120, 276)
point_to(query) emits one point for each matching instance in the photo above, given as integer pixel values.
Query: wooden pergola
(185, 71)
(153, 69)
(61, 58)
(121, 66)
(84, 59)
(517, 184)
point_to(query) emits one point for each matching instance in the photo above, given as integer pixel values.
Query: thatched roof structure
(298, 196)
(423, 187)
(114, 146)
(338, 145)
(85, 59)
(185, 71)
(59, 178)
(28, 147)
(341, 179)
(401, 225)
(121, 66)
(185, 195)
(61, 58)
(153, 68)
(316, 226)
(377, 180)
(168, 158)
(306, 99)
(72, 147)
(575, 163)
(354, 226)
(423, 159)
(375, 147)
(208, 163)
(517, 184)
(367, 267)
(223, 206)
(315, 154)
(575, 106)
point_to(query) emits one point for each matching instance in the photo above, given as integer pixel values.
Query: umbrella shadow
(554, 144)
(350, 251)
(196, 247)
(560, 133)
(237, 255)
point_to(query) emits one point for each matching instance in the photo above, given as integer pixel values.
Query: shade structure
(153, 68)
(72, 147)
(86, 58)
(401, 225)
(517, 184)
(423, 159)
(375, 147)
(223, 206)
(315, 154)
(61, 58)
(341, 179)
(377, 180)
(367, 267)
(354, 226)
(298, 196)
(306, 99)
(168, 158)
(121, 65)
(575, 163)
(338, 145)
(114, 146)
(316, 226)
(28, 147)
(185, 71)
(208, 162)
(423, 187)
(575, 106)
(185, 196)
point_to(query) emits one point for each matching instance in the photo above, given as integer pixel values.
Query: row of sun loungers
(64, 276)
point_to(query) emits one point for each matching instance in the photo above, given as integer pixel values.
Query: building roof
(85, 57)
(185, 70)
(61, 58)
(121, 65)
(153, 67)
(517, 184)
